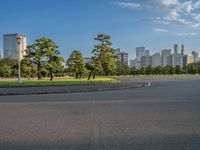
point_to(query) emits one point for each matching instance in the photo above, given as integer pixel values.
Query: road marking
(149, 84)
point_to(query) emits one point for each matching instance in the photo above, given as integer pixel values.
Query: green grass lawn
(56, 82)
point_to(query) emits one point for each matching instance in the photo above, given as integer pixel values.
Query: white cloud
(160, 30)
(170, 11)
(169, 2)
(187, 34)
(128, 5)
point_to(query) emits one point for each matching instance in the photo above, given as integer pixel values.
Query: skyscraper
(145, 61)
(14, 46)
(147, 52)
(175, 48)
(165, 54)
(156, 60)
(182, 49)
(121, 56)
(124, 58)
(140, 51)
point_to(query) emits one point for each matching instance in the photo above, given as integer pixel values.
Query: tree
(8, 67)
(178, 69)
(35, 54)
(103, 55)
(53, 58)
(44, 53)
(193, 68)
(27, 70)
(172, 70)
(157, 70)
(149, 70)
(76, 64)
(166, 70)
(122, 69)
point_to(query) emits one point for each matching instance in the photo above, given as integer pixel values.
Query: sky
(73, 24)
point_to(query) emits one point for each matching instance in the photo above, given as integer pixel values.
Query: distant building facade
(14, 46)
(195, 56)
(135, 64)
(175, 48)
(187, 59)
(140, 51)
(121, 56)
(146, 61)
(165, 54)
(156, 60)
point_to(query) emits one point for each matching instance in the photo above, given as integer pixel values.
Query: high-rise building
(182, 49)
(140, 51)
(156, 60)
(145, 61)
(175, 60)
(195, 56)
(171, 60)
(179, 60)
(164, 54)
(135, 63)
(175, 48)
(190, 59)
(132, 63)
(187, 59)
(122, 56)
(147, 52)
(14, 46)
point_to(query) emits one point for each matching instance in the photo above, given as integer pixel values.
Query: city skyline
(75, 24)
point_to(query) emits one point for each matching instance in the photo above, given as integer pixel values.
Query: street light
(19, 58)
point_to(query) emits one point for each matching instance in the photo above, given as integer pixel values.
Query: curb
(123, 87)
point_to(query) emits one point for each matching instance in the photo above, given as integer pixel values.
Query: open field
(56, 82)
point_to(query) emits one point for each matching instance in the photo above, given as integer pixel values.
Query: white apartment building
(14, 46)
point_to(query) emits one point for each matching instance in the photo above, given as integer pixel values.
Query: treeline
(167, 70)
(43, 60)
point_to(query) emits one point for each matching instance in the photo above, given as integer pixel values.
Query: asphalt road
(165, 116)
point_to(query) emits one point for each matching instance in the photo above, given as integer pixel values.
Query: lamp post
(19, 58)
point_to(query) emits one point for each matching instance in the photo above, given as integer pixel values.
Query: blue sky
(73, 24)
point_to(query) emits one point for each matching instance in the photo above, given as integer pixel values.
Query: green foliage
(76, 63)
(44, 54)
(122, 69)
(8, 68)
(193, 68)
(103, 56)
(27, 70)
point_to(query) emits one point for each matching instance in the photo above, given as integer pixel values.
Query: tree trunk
(94, 75)
(39, 72)
(106, 73)
(80, 76)
(76, 75)
(51, 75)
(89, 77)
